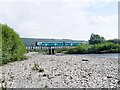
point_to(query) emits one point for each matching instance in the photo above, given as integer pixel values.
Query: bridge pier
(51, 51)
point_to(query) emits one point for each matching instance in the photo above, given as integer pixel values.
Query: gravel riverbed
(60, 71)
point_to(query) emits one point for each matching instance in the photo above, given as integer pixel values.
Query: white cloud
(59, 0)
(106, 26)
(57, 19)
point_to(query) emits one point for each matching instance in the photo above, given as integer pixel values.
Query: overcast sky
(61, 19)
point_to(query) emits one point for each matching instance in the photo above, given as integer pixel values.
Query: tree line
(12, 47)
(97, 44)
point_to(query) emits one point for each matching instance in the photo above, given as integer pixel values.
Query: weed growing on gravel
(4, 85)
(36, 66)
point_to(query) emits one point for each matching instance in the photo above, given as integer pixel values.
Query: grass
(36, 66)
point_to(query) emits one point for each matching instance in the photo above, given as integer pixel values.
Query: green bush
(12, 46)
(106, 47)
(60, 50)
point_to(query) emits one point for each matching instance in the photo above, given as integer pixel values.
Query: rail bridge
(49, 45)
(45, 45)
(53, 45)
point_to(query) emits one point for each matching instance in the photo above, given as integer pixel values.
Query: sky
(61, 19)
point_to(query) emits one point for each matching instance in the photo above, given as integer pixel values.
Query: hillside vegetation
(12, 46)
(32, 41)
(97, 44)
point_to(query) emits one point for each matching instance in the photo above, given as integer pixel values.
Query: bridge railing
(50, 46)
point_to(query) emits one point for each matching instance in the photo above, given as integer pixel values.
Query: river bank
(60, 71)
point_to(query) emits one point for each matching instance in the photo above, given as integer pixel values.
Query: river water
(117, 55)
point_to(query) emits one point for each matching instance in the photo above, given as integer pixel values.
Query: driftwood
(105, 51)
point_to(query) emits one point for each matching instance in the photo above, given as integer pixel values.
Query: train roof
(61, 42)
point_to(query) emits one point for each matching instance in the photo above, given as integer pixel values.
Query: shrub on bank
(12, 46)
(107, 47)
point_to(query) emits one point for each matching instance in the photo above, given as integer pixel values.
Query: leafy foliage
(12, 46)
(114, 41)
(106, 47)
(96, 39)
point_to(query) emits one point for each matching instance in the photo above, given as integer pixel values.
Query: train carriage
(53, 44)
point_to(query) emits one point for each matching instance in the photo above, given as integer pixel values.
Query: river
(112, 55)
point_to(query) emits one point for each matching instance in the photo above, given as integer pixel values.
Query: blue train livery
(53, 44)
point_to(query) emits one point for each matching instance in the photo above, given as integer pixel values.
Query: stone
(84, 59)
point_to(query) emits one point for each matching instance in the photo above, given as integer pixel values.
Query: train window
(64, 43)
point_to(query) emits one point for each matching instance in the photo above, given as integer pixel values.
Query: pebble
(61, 71)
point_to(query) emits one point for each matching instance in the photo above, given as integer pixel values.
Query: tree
(96, 39)
(114, 41)
(12, 45)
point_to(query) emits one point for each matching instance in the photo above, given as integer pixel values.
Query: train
(53, 44)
